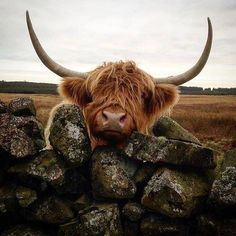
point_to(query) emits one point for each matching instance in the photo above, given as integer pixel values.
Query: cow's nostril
(104, 115)
(123, 118)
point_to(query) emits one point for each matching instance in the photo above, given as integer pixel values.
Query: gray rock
(82, 202)
(51, 210)
(174, 193)
(109, 180)
(223, 194)
(133, 211)
(153, 225)
(25, 196)
(23, 230)
(101, 219)
(161, 150)
(3, 107)
(16, 143)
(144, 173)
(7, 199)
(131, 228)
(169, 128)
(210, 225)
(69, 229)
(68, 135)
(48, 167)
(22, 107)
(20, 136)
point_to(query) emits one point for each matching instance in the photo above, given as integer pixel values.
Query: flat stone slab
(162, 150)
(169, 128)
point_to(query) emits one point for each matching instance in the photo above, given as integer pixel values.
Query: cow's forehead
(119, 76)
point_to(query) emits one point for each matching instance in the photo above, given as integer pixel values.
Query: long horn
(47, 61)
(196, 69)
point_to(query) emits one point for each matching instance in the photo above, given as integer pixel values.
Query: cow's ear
(73, 89)
(165, 97)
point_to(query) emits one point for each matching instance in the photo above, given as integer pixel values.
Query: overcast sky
(164, 37)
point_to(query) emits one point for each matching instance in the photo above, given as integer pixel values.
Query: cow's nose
(113, 118)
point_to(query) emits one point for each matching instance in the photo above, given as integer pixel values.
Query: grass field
(212, 119)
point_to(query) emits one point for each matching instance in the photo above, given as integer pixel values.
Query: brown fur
(121, 85)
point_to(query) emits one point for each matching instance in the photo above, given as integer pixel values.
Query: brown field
(212, 119)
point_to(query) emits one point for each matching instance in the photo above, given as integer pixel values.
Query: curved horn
(47, 61)
(196, 69)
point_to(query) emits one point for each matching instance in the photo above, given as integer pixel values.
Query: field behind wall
(212, 119)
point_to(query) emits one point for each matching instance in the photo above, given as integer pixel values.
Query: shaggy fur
(122, 85)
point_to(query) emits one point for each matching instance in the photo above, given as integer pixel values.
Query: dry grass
(210, 118)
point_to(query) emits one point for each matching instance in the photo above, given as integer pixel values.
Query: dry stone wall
(164, 184)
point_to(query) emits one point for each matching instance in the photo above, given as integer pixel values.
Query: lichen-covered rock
(154, 225)
(109, 179)
(161, 150)
(133, 211)
(131, 228)
(210, 225)
(3, 107)
(101, 219)
(20, 136)
(51, 210)
(174, 193)
(48, 167)
(16, 143)
(82, 202)
(68, 135)
(23, 230)
(69, 229)
(169, 128)
(25, 196)
(7, 199)
(22, 107)
(223, 192)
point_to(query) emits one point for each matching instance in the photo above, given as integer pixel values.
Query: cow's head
(118, 98)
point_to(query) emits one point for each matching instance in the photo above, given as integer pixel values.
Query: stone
(16, 143)
(50, 210)
(133, 211)
(144, 173)
(101, 219)
(109, 180)
(25, 196)
(69, 229)
(23, 230)
(7, 199)
(23, 106)
(82, 202)
(223, 194)
(68, 135)
(210, 225)
(153, 225)
(169, 128)
(131, 228)
(3, 107)
(47, 167)
(21, 136)
(162, 150)
(174, 193)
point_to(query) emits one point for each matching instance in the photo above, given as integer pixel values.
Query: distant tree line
(44, 88)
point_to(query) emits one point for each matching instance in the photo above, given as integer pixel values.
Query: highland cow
(118, 98)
